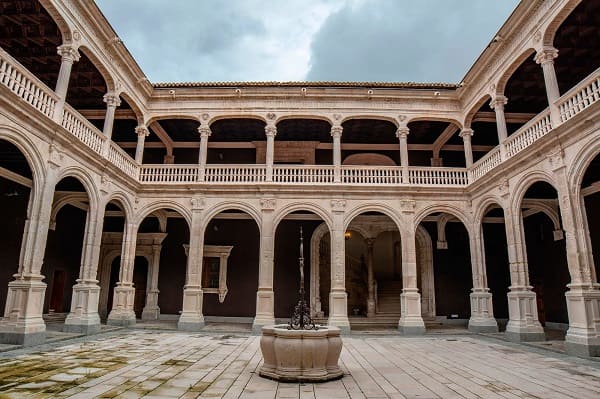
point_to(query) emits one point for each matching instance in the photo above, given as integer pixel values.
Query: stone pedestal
(265, 303)
(151, 311)
(411, 321)
(583, 335)
(191, 318)
(23, 323)
(523, 324)
(301, 355)
(338, 313)
(84, 317)
(122, 313)
(482, 313)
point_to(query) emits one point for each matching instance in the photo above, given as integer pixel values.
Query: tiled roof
(383, 85)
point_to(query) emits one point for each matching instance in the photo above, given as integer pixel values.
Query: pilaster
(122, 313)
(265, 296)
(191, 318)
(338, 298)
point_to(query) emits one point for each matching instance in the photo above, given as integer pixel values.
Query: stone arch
(139, 114)
(368, 116)
(304, 116)
(581, 162)
(302, 206)
(314, 291)
(425, 255)
(483, 206)
(369, 159)
(434, 119)
(111, 85)
(510, 70)
(552, 27)
(156, 118)
(31, 153)
(160, 204)
(124, 203)
(65, 29)
(216, 118)
(527, 181)
(381, 208)
(450, 209)
(86, 180)
(474, 108)
(237, 205)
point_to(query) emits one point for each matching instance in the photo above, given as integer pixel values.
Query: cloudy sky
(296, 40)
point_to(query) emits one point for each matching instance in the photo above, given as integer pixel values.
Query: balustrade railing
(371, 175)
(118, 157)
(234, 173)
(528, 134)
(438, 176)
(26, 85)
(83, 129)
(169, 174)
(580, 97)
(487, 163)
(303, 174)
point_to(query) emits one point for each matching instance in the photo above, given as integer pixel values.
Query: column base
(338, 310)
(23, 323)
(583, 335)
(125, 318)
(191, 318)
(265, 300)
(150, 313)
(482, 312)
(523, 324)
(84, 317)
(411, 322)
(190, 323)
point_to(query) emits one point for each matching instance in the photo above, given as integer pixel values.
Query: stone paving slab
(165, 364)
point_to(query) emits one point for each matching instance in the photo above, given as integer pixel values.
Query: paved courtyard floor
(169, 364)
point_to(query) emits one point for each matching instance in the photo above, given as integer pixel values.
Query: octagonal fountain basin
(301, 355)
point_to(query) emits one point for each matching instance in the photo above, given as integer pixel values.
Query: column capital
(271, 130)
(498, 102)
(68, 52)
(204, 131)
(466, 132)
(142, 131)
(402, 132)
(112, 99)
(336, 131)
(546, 55)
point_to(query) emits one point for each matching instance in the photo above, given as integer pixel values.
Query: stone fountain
(301, 351)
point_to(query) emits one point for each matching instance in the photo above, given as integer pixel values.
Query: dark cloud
(390, 40)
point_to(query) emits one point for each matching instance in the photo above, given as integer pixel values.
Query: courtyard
(221, 362)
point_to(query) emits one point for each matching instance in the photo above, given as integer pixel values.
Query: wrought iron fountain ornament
(301, 319)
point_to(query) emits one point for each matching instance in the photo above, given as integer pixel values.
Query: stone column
(151, 311)
(271, 132)
(411, 320)
(112, 101)
(545, 57)
(142, 132)
(370, 278)
(338, 298)
(265, 296)
(497, 104)
(523, 323)
(69, 55)
(22, 323)
(84, 317)
(583, 296)
(204, 135)
(402, 134)
(122, 313)
(191, 318)
(482, 309)
(466, 135)
(336, 133)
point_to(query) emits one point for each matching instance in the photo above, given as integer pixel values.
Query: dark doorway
(58, 289)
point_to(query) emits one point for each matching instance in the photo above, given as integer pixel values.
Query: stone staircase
(388, 297)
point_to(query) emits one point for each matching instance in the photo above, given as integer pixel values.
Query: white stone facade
(555, 146)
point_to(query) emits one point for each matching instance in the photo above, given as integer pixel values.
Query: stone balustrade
(22, 83)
